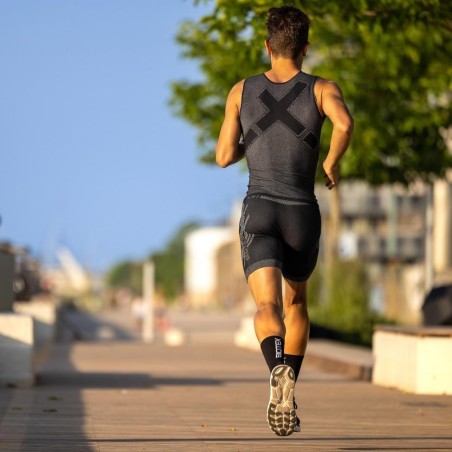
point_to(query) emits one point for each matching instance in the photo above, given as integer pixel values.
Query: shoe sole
(281, 414)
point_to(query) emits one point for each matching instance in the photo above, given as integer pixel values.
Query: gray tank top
(281, 127)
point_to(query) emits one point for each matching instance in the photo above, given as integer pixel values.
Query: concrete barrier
(16, 350)
(43, 313)
(413, 359)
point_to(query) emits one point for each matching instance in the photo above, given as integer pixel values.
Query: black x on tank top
(281, 127)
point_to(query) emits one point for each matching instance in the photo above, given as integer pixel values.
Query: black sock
(295, 362)
(273, 350)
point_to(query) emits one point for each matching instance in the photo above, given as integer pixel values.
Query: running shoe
(281, 414)
(298, 426)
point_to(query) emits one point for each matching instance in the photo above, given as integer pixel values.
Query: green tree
(390, 57)
(170, 263)
(126, 274)
(169, 267)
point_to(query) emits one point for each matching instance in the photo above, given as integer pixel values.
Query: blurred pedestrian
(275, 119)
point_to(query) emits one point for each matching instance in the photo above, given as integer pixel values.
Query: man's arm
(228, 149)
(333, 105)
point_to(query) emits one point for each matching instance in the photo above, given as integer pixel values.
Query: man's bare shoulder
(322, 84)
(235, 95)
(237, 89)
(326, 89)
(323, 81)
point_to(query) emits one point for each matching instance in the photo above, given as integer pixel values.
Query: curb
(351, 361)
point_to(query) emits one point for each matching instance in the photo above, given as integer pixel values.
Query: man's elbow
(346, 126)
(221, 162)
(222, 158)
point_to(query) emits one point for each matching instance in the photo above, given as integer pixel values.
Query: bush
(338, 301)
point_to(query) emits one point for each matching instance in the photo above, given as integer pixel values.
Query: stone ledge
(413, 361)
(16, 350)
(43, 313)
(421, 331)
(350, 360)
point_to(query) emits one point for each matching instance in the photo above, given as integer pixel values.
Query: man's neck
(283, 69)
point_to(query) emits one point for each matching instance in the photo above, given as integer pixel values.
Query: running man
(279, 114)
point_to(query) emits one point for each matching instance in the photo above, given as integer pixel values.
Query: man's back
(281, 125)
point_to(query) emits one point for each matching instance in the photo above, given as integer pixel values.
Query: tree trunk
(333, 229)
(429, 271)
(331, 242)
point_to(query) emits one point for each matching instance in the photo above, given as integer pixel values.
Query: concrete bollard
(174, 337)
(413, 359)
(43, 313)
(245, 337)
(16, 350)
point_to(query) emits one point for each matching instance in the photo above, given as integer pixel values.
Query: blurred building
(207, 252)
(378, 224)
(388, 229)
(232, 286)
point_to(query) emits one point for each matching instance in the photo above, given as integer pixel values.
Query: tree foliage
(170, 263)
(390, 58)
(169, 267)
(126, 274)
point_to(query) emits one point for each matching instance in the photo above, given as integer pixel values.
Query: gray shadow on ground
(296, 437)
(44, 418)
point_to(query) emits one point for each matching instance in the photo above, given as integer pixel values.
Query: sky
(91, 156)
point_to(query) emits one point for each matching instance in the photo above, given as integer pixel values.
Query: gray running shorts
(282, 233)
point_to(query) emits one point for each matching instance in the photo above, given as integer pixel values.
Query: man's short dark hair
(288, 30)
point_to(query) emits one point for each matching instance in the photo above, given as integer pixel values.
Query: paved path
(129, 396)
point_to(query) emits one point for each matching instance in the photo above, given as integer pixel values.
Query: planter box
(16, 350)
(413, 359)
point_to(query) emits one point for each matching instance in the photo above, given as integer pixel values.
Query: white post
(442, 220)
(429, 271)
(148, 300)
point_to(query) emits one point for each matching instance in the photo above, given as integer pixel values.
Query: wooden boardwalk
(129, 396)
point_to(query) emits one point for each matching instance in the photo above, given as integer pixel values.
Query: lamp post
(148, 301)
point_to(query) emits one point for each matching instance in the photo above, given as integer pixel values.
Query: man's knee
(297, 301)
(296, 307)
(268, 307)
(295, 293)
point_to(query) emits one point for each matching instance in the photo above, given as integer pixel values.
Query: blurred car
(27, 278)
(437, 307)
